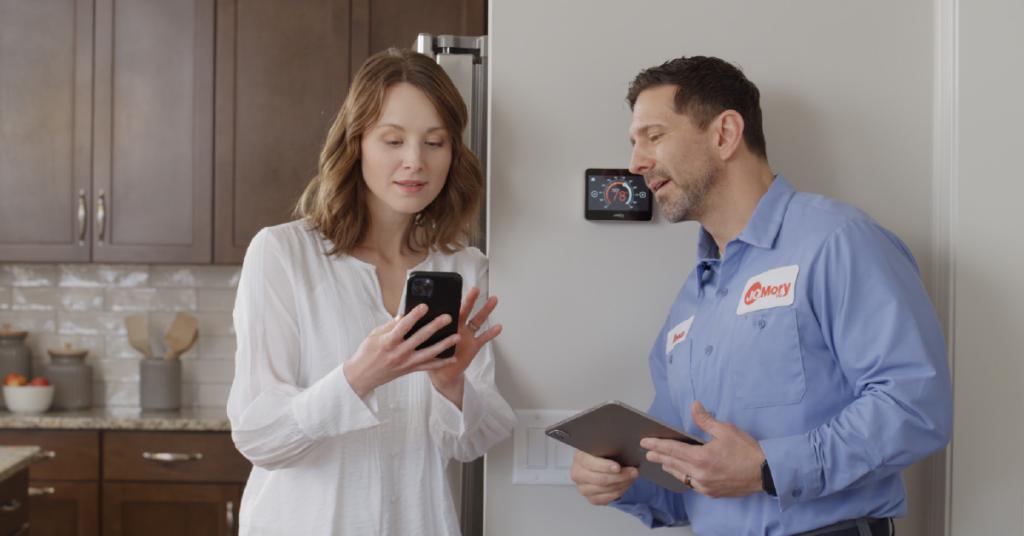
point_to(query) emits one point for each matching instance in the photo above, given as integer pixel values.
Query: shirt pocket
(679, 375)
(768, 363)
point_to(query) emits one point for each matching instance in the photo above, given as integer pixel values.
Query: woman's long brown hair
(334, 201)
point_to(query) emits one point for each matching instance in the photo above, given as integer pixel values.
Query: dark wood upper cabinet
(46, 135)
(282, 72)
(153, 159)
(159, 131)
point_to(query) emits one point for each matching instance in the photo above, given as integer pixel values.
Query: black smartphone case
(445, 297)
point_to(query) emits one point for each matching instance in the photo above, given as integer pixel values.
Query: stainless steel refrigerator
(465, 61)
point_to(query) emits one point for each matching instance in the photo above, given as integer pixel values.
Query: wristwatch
(767, 483)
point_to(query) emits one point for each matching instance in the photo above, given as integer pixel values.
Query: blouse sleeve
(486, 418)
(274, 420)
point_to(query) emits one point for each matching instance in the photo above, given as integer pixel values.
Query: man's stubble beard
(691, 200)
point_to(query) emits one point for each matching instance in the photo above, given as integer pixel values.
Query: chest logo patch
(774, 288)
(677, 334)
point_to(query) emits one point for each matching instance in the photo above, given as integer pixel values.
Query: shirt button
(722, 292)
(761, 323)
(708, 349)
(797, 492)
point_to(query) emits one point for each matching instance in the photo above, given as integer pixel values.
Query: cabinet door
(45, 138)
(379, 24)
(64, 508)
(171, 509)
(282, 72)
(153, 160)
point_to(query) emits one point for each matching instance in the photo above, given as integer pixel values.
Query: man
(802, 348)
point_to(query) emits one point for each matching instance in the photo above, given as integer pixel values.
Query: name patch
(774, 288)
(677, 334)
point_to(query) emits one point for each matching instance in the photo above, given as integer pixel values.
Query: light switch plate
(538, 459)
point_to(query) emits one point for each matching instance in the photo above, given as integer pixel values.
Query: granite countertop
(14, 459)
(183, 420)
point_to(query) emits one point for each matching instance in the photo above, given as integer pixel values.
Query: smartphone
(442, 292)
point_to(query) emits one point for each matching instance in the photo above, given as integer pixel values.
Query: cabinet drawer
(67, 454)
(172, 456)
(14, 503)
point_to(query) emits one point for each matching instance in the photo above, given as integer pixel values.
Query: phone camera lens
(560, 435)
(422, 288)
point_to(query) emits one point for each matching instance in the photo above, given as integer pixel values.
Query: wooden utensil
(138, 333)
(181, 335)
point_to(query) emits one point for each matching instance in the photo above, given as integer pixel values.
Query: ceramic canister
(15, 356)
(71, 378)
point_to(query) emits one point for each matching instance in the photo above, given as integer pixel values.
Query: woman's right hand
(386, 354)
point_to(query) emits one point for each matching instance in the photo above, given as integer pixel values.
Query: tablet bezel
(613, 430)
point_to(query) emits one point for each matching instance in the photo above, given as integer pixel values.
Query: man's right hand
(600, 480)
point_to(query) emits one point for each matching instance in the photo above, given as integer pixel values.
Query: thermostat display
(616, 194)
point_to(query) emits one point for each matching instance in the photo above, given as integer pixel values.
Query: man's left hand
(727, 466)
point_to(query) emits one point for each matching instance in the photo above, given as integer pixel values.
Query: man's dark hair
(706, 87)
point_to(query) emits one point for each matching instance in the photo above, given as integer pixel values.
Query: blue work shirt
(814, 335)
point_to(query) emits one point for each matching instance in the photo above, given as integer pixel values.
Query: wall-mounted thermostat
(616, 194)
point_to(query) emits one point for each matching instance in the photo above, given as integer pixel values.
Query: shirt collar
(764, 224)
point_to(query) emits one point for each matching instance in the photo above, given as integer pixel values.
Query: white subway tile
(91, 323)
(195, 276)
(216, 300)
(209, 323)
(212, 395)
(29, 275)
(115, 394)
(213, 371)
(30, 321)
(5, 298)
(119, 370)
(216, 347)
(117, 346)
(81, 299)
(34, 299)
(103, 275)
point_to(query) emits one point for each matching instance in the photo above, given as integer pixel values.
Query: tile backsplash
(85, 305)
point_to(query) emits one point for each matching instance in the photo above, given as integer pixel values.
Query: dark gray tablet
(613, 430)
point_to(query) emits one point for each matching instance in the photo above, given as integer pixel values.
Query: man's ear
(727, 131)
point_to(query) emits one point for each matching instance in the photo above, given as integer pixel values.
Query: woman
(348, 426)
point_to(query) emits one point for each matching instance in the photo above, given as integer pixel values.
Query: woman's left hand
(449, 380)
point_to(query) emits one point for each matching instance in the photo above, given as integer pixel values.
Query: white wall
(847, 93)
(988, 463)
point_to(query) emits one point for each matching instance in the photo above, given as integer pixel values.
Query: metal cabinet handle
(170, 457)
(231, 516)
(82, 215)
(101, 216)
(23, 530)
(34, 491)
(10, 506)
(46, 455)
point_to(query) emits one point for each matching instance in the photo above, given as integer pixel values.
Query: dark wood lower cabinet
(119, 482)
(14, 504)
(170, 509)
(64, 508)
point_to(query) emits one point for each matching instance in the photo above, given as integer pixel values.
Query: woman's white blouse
(326, 461)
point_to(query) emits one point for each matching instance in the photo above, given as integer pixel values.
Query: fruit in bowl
(27, 397)
(15, 379)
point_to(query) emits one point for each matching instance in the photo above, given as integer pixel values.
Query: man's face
(673, 155)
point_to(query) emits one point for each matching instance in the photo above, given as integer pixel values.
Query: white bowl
(28, 399)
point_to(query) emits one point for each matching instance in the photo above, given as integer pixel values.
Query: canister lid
(7, 332)
(67, 351)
